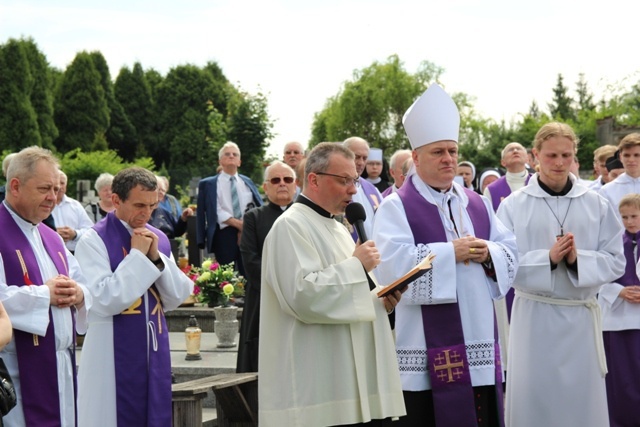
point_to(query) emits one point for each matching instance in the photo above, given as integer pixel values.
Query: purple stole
(499, 190)
(630, 278)
(453, 397)
(372, 196)
(37, 359)
(140, 341)
(388, 191)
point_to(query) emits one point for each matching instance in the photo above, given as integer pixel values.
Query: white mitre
(433, 117)
(375, 155)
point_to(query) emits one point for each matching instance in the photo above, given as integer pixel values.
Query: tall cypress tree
(80, 110)
(121, 135)
(133, 93)
(42, 92)
(18, 119)
(561, 106)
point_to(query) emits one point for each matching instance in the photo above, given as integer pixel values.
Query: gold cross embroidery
(450, 366)
(157, 309)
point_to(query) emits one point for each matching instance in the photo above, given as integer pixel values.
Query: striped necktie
(235, 201)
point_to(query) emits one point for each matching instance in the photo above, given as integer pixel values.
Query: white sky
(505, 53)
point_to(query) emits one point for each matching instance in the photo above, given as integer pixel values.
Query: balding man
(514, 159)
(395, 169)
(367, 195)
(71, 219)
(293, 154)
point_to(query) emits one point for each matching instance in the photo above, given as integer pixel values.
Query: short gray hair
(318, 160)
(227, 145)
(103, 180)
(23, 164)
(394, 157)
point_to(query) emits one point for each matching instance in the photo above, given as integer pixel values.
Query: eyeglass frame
(348, 181)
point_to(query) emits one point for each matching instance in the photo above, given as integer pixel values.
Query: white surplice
(615, 190)
(326, 348)
(555, 377)
(114, 292)
(71, 213)
(447, 282)
(28, 309)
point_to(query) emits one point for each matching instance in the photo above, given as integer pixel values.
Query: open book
(410, 276)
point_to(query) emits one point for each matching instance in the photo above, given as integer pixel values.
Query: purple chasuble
(37, 359)
(453, 398)
(372, 196)
(140, 341)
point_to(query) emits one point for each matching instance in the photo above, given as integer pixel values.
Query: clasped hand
(470, 248)
(146, 242)
(64, 292)
(564, 248)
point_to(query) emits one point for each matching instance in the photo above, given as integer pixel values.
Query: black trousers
(420, 411)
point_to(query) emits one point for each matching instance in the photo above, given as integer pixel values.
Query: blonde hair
(632, 200)
(24, 163)
(553, 129)
(601, 154)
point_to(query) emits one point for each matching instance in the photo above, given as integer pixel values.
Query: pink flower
(214, 266)
(196, 290)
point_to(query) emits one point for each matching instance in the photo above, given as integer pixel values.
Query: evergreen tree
(41, 93)
(585, 97)
(80, 109)
(561, 106)
(18, 119)
(133, 93)
(120, 135)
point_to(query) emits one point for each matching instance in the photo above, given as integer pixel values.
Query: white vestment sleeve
(114, 291)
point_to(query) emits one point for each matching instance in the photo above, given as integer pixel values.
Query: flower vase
(226, 326)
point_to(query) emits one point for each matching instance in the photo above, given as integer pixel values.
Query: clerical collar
(308, 202)
(278, 207)
(568, 186)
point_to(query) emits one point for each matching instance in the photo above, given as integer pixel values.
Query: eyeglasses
(286, 179)
(346, 180)
(293, 152)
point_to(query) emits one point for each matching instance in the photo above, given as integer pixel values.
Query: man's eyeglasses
(293, 152)
(347, 181)
(286, 179)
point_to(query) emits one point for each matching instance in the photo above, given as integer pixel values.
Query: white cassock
(449, 281)
(114, 292)
(615, 190)
(555, 376)
(28, 309)
(326, 348)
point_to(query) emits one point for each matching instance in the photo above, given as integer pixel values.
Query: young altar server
(570, 244)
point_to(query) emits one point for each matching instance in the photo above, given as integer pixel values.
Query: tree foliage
(372, 104)
(18, 119)
(81, 108)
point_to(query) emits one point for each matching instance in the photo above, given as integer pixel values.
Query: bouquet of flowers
(216, 284)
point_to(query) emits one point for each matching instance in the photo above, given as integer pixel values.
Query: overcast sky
(504, 53)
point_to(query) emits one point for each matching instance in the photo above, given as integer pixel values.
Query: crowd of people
(527, 317)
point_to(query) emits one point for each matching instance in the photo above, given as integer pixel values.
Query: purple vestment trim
(141, 341)
(372, 196)
(37, 359)
(454, 403)
(500, 189)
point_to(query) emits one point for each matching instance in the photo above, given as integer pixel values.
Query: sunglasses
(276, 180)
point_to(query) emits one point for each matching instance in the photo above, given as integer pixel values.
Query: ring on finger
(472, 250)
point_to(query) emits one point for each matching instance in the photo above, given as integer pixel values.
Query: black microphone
(356, 215)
